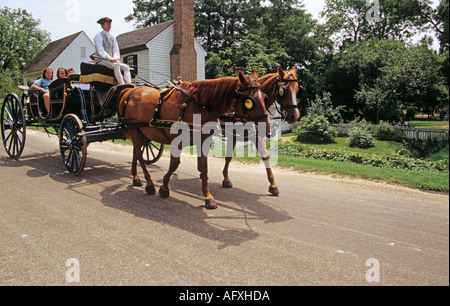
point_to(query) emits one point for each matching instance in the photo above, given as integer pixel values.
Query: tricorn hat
(103, 20)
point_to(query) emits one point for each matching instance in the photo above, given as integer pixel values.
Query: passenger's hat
(103, 20)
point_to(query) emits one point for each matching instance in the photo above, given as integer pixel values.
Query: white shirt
(100, 50)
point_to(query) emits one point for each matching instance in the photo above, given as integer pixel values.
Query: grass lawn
(429, 124)
(381, 147)
(423, 180)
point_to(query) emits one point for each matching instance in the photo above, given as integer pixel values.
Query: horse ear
(255, 75)
(281, 72)
(294, 70)
(242, 79)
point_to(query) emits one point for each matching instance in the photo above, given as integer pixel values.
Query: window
(83, 52)
(132, 61)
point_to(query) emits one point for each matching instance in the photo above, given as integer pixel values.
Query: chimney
(183, 56)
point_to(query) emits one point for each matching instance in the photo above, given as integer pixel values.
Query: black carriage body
(81, 108)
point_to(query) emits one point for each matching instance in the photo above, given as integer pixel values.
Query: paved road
(98, 230)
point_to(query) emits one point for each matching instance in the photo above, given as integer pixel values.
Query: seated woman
(42, 85)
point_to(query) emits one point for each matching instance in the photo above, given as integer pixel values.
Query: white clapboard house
(148, 51)
(67, 52)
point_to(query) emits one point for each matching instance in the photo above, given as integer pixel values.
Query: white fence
(424, 134)
(408, 133)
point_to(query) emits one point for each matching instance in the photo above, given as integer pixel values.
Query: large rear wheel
(13, 126)
(72, 144)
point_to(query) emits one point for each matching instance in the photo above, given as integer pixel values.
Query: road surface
(96, 229)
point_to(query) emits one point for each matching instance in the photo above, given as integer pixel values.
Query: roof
(50, 53)
(137, 40)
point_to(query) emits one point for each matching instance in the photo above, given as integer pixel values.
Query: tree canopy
(20, 41)
(363, 54)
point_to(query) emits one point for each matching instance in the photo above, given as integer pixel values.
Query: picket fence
(408, 132)
(424, 134)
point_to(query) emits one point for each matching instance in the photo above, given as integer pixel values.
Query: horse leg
(136, 180)
(174, 164)
(138, 141)
(261, 147)
(229, 157)
(210, 202)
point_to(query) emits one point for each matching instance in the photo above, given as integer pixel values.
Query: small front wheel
(13, 126)
(72, 144)
(152, 152)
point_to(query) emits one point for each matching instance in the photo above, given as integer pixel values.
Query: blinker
(249, 104)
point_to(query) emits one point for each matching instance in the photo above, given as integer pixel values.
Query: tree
(353, 21)
(20, 41)
(394, 76)
(148, 13)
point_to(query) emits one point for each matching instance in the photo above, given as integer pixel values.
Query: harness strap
(125, 104)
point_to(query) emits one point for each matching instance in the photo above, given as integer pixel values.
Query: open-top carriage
(81, 110)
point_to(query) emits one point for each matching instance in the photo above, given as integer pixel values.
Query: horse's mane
(213, 92)
(267, 77)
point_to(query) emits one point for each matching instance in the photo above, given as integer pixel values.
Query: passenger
(42, 85)
(107, 50)
(71, 71)
(62, 73)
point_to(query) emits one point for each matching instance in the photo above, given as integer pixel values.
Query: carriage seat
(96, 73)
(58, 89)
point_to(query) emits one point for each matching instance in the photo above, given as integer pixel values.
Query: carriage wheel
(152, 152)
(13, 126)
(73, 147)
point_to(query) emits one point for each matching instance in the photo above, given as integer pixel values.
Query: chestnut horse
(281, 87)
(209, 99)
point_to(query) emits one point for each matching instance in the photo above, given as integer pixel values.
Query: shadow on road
(229, 224)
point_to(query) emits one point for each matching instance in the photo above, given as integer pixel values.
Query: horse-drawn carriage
(81, 108)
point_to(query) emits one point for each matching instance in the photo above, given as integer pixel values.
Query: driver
(107, 51)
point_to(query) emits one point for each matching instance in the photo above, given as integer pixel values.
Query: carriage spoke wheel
(13, 126)
(152, 152)
(73, 147)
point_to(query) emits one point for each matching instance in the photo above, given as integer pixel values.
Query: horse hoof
(164, 193)
(274, 191)
(227, 184)
(150, 190)
(210, 204)
(137, 183)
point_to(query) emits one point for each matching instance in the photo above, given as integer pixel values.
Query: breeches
(118, 68)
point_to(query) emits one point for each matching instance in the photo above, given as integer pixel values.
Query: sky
(62, 18)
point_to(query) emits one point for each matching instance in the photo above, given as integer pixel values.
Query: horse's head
(287, 92)
(250, 100)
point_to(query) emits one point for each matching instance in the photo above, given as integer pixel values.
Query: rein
(248, 103)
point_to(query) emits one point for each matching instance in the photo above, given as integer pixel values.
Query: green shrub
(392, 160)
(423, 148)
(315, 129)
(387, 132)
(360, 137)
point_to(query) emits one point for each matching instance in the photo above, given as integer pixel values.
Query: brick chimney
(183, 56)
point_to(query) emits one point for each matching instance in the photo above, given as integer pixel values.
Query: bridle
(248, 103)
(280, 93)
